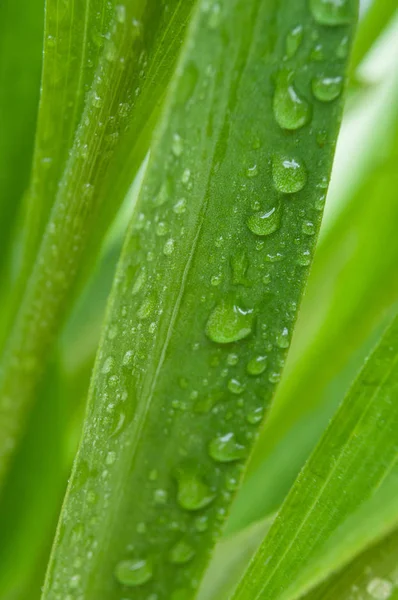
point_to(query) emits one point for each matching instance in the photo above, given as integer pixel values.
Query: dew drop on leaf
(289, 174)
(225, 448)
(290, 109)
(308, 228)
(255, 416)
(181, 553)
(327, 89)
(293, 41)
(333, 12)
(180, 206)
(193, 494)
(380, 589)
(168, 247)
(257, 365)
(282, 339)
(177, 146)
(133, 573)
(201, 523)
(229, 323)
(235, 386)
(265, 223)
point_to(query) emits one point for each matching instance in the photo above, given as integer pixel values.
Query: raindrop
(139, 282)
(257, 365)
(252, 171)
(229, 323)
(160, 496)
(380, 589)
(225, 448)
(289, 174)
(304, 258)
(163, 194)
(121, 13)
(177, 146)
(308, 228)
(133, 572)
(193, 494)
(162, 228)
(282, 339)
(265, 223)
(235, 386)
(201, 523)
(293, 41)
(181, 553)
(108, 365)
(332, 12)
(290, 109)
(327, 89)
(255, 416)
(215, 280)
(110, 458)
(180, 206)
(168, 248)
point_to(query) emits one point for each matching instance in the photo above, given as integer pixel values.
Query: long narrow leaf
(357, 453)
(205, 298)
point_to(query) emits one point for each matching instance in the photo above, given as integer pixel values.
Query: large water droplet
(133, 572)
(229, 323)
(181, 553)
(291, 110)
(193, 493)
(327, 89)
(380, 589)
(225, 448)
(265, 223)
(289, 174)
(333, 12)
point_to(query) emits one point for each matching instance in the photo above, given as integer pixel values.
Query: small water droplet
(333, 12)
(193, 494)
(308, 228)
(215, 280)
(293, 41)
(257, 365)
(265, 223)
(160, 496)
(235, 386)
(169, 247)
(304, 258)
(180, 206)
(214, 16)
(252, 171)
(133, 573)
(108, 365)
(240, 264)
(289, 174)
(146, 308)
(110, 458)
(255, 416)
(290, 109)
(181, 553)
(229, 323)
(282, 339)
(232, 359)
(162, 228)
(139, 282)
(327, 89)
(120, 13)
(177, 146)
(342, 48)
(163, 194)
(380, 589)
(201, 523)
(225, 448)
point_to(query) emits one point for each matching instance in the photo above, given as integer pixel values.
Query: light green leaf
(376, 20)
(85, 201)
(355, 456)
(205, 297)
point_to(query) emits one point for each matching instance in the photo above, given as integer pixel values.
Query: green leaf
(85, 201)
(205, 297)
(350, 297)
(372, 575)
(376, 20)
(21, 39)
(355, 456)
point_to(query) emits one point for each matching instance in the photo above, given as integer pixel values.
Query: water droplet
(169, 246)
(146, 308)
(291, 110)
(108, 365)
(252, 171)
(255, 415)
(308, 228)
(139, 282)
(163, 194)
(215, 280)
(120, 13)
(327, 89)
(181, 553)
(133, 572)
(160, 496)
(128, 358)
(232, 359)
(177, 146)
(257, 365)
(225, 448)
(342, 48)
(265, 223)
(193, 493)
(380, 589)
(214, 16)
(282, 339)
(240, 264)
(235, 386)
(162, 228)
(293, 41)
(110, 458)
(201, 523)
(180, 206)
(229, 323)
(304, 258)
(333, 12)
(289, 174)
